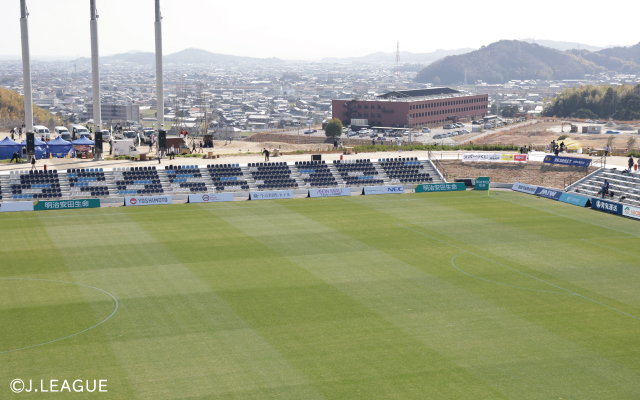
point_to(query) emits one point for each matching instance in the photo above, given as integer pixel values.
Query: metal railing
(438, 165)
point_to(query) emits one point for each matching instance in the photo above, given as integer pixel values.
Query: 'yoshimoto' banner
(629, 211)
(440, 187)
(16, 206)
(524, 188)
(271, 195)
(147, 200)
(210, 197)
(570, 161)
(330, 192)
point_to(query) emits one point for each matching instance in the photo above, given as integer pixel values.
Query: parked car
(41, 133)
(449, 126)
(77, 131)
(426, 130)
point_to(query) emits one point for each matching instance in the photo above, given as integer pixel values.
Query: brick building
(431, 106)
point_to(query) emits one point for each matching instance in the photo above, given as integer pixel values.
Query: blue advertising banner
(574, 199)
(548, 193)
(606, 206)
(570, 161)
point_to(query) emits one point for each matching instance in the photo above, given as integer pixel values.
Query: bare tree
(631, 143)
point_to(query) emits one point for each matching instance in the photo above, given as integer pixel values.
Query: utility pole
(95, 68)
(409, 119)
(159, 77)
(26, 67)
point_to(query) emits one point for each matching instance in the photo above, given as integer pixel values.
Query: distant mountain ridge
(405, 57)
(186, 56)
(563, 46)
(508, 60)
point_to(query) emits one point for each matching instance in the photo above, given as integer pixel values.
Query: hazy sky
(307, 30)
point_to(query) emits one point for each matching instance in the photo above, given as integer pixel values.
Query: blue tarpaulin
(8, 147)
(83, 141)
(59, 148)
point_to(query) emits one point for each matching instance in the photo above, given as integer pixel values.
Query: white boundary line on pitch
(523, 273)
(611, 248)
(565, 216)
(218, 206)
(72, 335)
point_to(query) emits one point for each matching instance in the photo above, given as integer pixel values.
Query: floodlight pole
(26, 67)
(95, 68)
(159, 77)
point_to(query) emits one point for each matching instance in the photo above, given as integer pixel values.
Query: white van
(77, 131)
(42, 132)
(62, 133)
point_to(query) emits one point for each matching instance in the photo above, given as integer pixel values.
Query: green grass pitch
(453, 295)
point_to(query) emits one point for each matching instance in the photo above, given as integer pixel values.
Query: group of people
(525, 149)
(17, 131)
(557, 148)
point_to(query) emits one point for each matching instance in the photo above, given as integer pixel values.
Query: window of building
(359, 115)
(366, 106)
(379, 115)
(359, 105)
(366, 114)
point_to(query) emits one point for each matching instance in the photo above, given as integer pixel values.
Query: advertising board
(210, 197)
(570, 161)
(548, 193)
(574, 199)
(493, 157)
(440, 187)
(147, 200)
(329, 192)
(16, 206)
(606, 206)
(629, 211)
(482, 183)
(524, 188)
(271, 195)
(65, 204)
(389, 189)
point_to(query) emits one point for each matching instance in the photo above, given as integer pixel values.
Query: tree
(493, 109)
(584, 113)
(631, 143)
(510, 111)
(333, 128)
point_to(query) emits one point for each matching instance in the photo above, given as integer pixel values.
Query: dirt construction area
(533, 173)
(542, 133)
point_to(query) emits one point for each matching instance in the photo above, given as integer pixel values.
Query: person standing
(33, 163)
(266, 154)
(630, 163)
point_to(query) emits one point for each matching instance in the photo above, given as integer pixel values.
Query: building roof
(400, 94)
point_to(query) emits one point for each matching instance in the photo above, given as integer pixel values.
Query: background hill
(187, 56)
(12, 111)
(405, 57)
(511, 59)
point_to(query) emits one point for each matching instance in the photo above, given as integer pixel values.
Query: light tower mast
(26, 67)
(397, 70)
(159, 78)
(95, 68)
